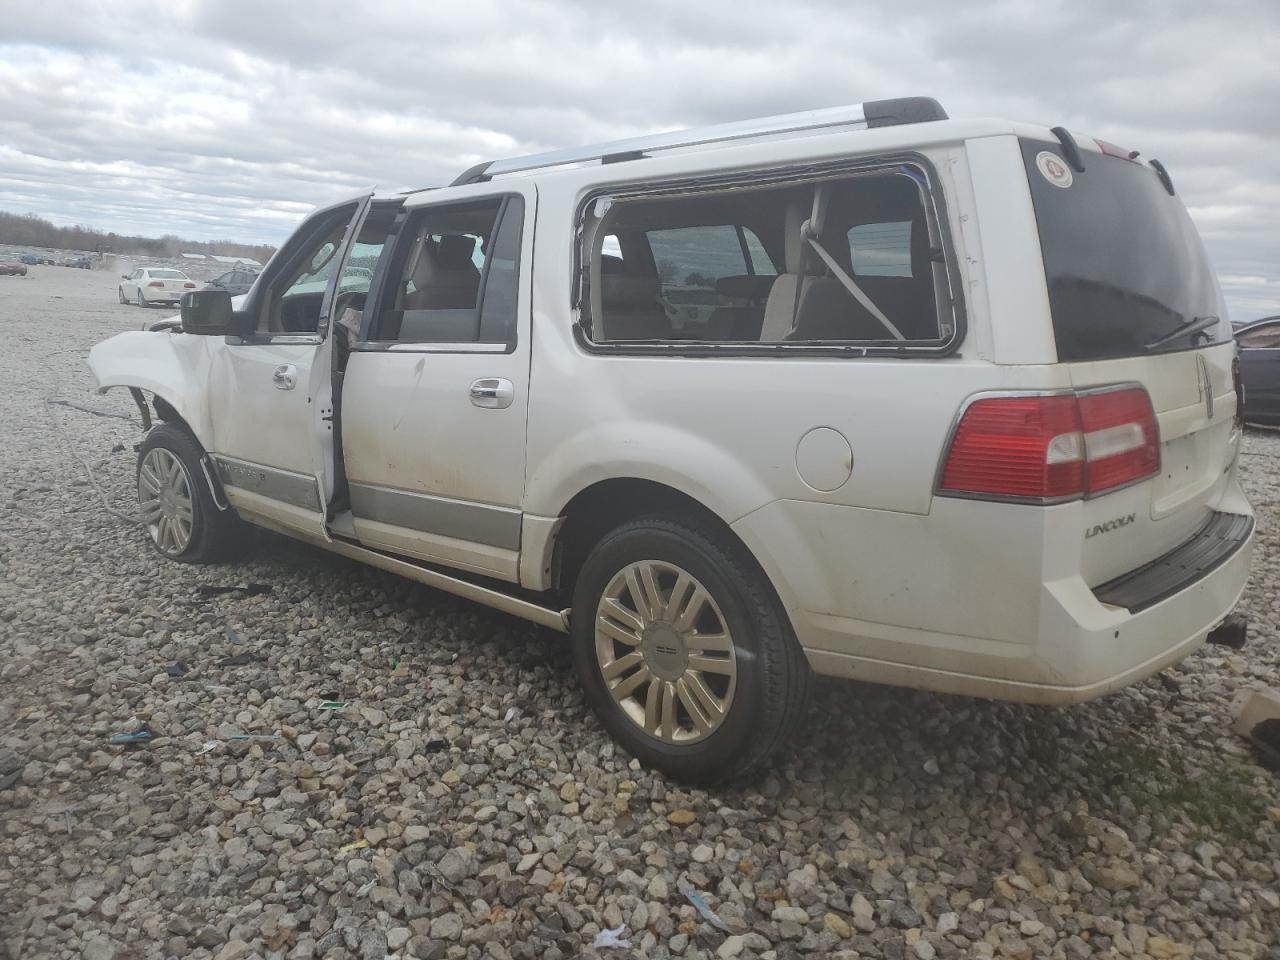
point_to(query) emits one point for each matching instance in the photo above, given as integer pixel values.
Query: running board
(431, 577)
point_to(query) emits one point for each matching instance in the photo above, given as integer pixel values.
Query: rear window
(168, 275)
(1126, 271)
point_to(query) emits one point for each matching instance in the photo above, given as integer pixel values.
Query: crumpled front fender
(172, 366)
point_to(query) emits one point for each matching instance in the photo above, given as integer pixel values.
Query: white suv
(866, 392)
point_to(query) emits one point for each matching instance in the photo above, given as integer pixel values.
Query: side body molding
(173, 366)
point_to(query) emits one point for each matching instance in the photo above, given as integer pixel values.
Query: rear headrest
(454, 251)
(620, 289)
(745, 287)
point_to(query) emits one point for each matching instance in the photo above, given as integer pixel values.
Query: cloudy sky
(230, 119)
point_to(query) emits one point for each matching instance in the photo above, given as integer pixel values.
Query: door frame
(475, 535)
(292, 497)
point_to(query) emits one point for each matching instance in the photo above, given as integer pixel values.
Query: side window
(881, 249)
(455, 275)
(1261, 338)
(847, 260)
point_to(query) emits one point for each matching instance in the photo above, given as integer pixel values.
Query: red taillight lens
(1017, 447)
(189, 286)
(1121, 438)
(155, 283)
(1054, 447)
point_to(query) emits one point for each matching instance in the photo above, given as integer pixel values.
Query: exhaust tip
(1232, 632)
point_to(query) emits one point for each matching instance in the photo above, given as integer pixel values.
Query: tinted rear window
(1124, 265)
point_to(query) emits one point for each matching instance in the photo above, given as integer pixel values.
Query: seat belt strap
(855, 291)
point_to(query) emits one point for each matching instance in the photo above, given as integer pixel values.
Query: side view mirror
(124, 276)
(207, 313)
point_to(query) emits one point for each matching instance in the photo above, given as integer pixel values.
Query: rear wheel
(177, 508)
(684, 650)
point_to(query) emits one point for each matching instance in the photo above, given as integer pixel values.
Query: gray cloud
(231, 119)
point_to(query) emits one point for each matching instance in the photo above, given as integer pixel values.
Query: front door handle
(492, 392)
(285, 376)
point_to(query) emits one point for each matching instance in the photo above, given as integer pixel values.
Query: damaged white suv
(866, 392)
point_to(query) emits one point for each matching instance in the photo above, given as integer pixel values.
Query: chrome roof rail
(873, 113)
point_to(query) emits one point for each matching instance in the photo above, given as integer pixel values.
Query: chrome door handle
(492, 392)
(285, 376)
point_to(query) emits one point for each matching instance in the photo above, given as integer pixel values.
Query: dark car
(13, 269)
(30, 259)
(235, 282)
(78, 263)
(1260, 370)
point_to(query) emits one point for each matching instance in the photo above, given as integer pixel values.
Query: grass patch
(1219, 797)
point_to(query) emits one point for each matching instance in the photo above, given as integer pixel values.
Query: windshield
(1126, 272)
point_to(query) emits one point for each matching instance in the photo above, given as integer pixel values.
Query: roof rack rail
(873, 113)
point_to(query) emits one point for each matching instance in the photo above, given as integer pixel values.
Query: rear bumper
(1076, 660)
(1213, 545)
(1016, 623)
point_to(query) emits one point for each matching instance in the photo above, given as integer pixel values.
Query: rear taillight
(1054, 447)
(189, 286)
(155, 283)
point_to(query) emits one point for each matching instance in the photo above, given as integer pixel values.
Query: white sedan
(148, 285)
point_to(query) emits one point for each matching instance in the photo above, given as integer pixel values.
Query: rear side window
(851, 259)
(1126, 272)
(455, 276)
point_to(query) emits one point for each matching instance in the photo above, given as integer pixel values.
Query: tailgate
(1133, 300)
(1194, 398)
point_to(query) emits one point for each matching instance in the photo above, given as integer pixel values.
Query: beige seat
(785, 304)
(444, 276)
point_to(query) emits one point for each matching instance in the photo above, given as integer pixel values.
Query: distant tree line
(32, 231)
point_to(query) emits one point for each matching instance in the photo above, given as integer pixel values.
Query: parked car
(30, 259)
(80, 263)
(1260, 370)
(148, 285)
(235, 282)
(13, 269)
(954, 409)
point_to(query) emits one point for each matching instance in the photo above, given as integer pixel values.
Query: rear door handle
(285, 376)
(492, 392)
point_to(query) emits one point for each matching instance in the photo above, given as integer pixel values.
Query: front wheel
(685, 651)
(141, 300)
(120, 294)
(177, 508)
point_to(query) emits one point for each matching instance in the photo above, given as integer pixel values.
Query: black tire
(141, 300)
(215, 534)
(773, 677)
(120, 294)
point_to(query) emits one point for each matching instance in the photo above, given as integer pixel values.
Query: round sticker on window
(1054, 170)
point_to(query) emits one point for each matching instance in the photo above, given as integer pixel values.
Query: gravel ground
(465, 804)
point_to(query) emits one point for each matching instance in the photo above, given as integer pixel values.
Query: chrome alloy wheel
(665, 652)
(164, 494)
